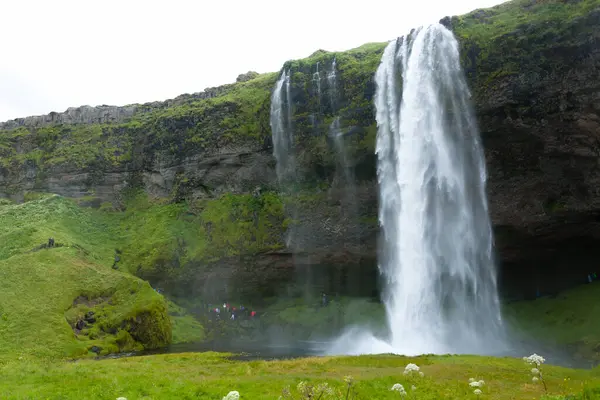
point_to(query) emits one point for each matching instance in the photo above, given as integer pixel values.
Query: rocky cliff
(534, 70)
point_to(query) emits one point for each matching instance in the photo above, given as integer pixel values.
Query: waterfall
(332, 82)
(436, 256)
(344, 164)
(281, 128)
(317, 81)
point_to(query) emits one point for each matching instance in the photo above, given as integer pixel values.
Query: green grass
(212, 376)
(186, 329)
(572, 319)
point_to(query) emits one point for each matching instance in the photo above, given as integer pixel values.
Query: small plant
(413, 368)
(399, 388)
(320, 392)
(477, 385)
(409, 371)
(349, 386)
(536, 361)
(233, 395)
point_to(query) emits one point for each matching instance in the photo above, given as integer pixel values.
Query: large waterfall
(436, 256)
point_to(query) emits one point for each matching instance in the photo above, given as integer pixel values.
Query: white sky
(62, 53)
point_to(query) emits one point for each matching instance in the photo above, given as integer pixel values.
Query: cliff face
(533, 68)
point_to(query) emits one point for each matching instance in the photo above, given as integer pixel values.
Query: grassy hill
(49, 293)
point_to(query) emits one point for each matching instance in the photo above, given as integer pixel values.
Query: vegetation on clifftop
(521, 37)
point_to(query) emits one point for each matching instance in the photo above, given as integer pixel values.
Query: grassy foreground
(212, 376)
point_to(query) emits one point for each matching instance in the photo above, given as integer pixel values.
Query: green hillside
(47, 291)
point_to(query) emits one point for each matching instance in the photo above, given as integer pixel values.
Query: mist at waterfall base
(436, 256)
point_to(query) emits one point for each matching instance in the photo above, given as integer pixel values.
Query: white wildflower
(471, 380)
(534, 359)
(414, 387)
(348, 380)
(421, 374)
(477, 391)
(481, 383)
(233, 395)
(301, 386)
(398, 388)
(535, 371)
(535, 379)
(475, 384)
(121, 398)
(412, 367)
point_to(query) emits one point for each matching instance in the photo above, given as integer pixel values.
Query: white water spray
(436, 258)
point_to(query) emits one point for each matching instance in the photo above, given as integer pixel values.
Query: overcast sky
(62, 53)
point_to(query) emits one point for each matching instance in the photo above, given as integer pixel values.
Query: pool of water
(242, 350)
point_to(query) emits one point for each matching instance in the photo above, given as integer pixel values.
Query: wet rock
(89, 317)
(80, 324)
(96, 349)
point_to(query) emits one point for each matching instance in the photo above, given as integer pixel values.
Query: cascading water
(436, 256)
(317, 81)
(343, 158)
(332, 82)
(281, 128)
(283, 142)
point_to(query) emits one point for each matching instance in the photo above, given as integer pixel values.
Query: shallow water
(243, 351)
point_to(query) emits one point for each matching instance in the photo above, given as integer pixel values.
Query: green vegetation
(485, 25)
(212, 376)
(521, 37)
(47, 291)
(186, 329)
(569, 321)
(95, 250)
(171, 243)
(66, 300)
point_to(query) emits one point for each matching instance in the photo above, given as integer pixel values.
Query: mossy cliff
(533, 70)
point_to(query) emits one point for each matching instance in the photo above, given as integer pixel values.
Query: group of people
(227, 311)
